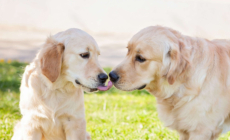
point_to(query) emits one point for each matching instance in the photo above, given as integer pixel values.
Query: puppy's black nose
(102, 77)
(113, 76)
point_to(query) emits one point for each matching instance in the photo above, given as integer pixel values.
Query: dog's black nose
(113, 76)
(102, 77)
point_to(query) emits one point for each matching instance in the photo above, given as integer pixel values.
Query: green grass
(111, 115)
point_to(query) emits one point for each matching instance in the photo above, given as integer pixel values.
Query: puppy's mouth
(101, 87)
(142, 87)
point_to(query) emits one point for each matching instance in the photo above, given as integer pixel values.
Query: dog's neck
(160, 88)
(33, 71)
(171, 95)
(60, 84)
(179, 92)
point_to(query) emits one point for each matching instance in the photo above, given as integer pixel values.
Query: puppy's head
(154, 54)
(72, 55)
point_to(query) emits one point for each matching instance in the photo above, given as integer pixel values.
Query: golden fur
(51, 102)
(190, 78)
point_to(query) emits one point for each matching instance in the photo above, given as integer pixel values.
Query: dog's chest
(62, 102)
(174, 117)
(53, 130)
(61, 109)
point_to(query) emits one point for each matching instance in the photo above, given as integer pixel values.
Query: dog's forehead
(147, 47)
(141, 48)
(142, 44)
(153, 34)
(142, 37)
(82, 44)
(77, 40)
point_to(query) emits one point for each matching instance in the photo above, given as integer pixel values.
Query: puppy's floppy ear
(51, 59)
(175, 61)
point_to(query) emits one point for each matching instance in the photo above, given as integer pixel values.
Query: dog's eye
(85, 55)
(140, 58)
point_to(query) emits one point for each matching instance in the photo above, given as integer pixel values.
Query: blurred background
(114, 114)
(24, 24)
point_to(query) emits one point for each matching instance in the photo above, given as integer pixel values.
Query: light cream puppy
(52, 98)
(190, 78)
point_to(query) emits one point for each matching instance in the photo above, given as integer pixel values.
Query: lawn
(111, 115)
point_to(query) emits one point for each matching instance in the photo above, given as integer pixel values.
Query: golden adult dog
(51, 100)
(190, 78)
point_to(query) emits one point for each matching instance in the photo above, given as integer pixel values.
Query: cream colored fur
(51, 103)
(190, 78)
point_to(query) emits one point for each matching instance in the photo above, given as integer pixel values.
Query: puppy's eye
(140, 58)
(85, 55)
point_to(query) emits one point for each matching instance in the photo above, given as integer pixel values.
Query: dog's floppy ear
(51, 59)
(175, 61)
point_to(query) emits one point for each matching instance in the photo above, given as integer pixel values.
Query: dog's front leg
(75, 129)
(183, 135)
(200, 135)
(78, 135)
(32, 135)
(26, 132)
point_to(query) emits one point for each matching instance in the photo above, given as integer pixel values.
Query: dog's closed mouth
(101, 87)
(142, 87)
(91, 89)
(76, 81)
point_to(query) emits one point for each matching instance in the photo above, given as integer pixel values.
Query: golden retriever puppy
(52, 98)
(190, 78)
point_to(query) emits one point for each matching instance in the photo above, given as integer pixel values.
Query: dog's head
(154, 54)
(72, 55)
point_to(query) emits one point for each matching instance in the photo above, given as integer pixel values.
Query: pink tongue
(104, 88)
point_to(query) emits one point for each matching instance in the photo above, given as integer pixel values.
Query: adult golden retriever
(51, 100)
(190, 78)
